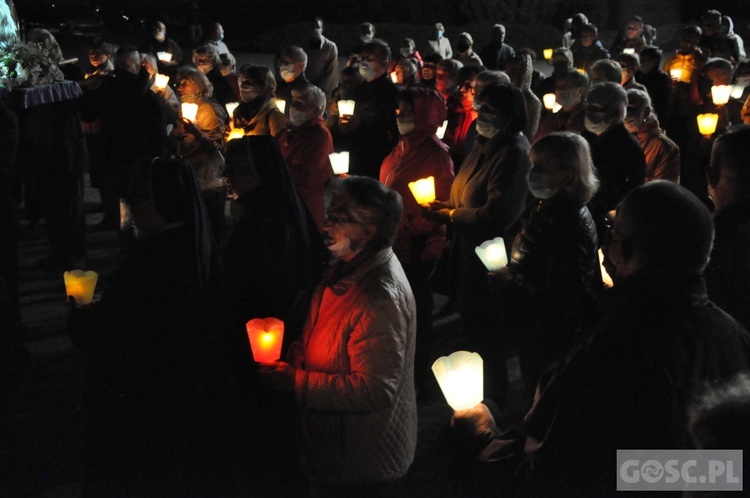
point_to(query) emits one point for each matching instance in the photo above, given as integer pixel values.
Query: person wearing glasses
(658, 342)
(352, 374)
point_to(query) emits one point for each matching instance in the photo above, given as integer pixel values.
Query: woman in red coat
(419, 241)
(305, 148)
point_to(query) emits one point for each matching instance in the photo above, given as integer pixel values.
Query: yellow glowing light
(423, 190)
(80, 285)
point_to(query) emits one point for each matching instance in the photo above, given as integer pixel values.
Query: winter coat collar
(344, 276)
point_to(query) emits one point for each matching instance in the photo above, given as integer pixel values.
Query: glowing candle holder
(161, 81)
(346, 107)
(461, 379)
(441, 130)
(339, 162)
(492, 253)
(737, 91)
(548, 53)
(394, 77)
(236, 133)
(281, 105)
(189, 111)
(423, 190)
(164, 56)
(266, 337)
(80, 284)
(606, 278)
(676, 74)
(231, 106)
(720, 94)
(549, 101)
(707, 124)
(628, 50)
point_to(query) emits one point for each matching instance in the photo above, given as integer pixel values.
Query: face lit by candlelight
(97, 57)
(188, 87)
(346, 236)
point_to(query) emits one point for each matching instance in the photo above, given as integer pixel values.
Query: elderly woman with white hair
(552, 264)
(305, 147)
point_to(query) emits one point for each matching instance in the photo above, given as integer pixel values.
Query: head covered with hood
(171, 186)
(429, 108)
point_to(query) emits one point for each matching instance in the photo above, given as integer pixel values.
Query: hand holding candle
(189, 111)
(461, 379)
(707, 124)
(161, 81)
(266, 337)
(423, 190)
(346, 107)
(80, 285)
(492, 253)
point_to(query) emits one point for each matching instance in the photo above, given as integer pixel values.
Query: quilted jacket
(355, 381)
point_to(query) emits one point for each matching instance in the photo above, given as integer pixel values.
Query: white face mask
(249, 95)
(566, 98)
(540, 187)
(366, 70)
(405, 126)
(342, 249)
(297, 118)
(286, 71)
(405, 51)
(485, 128)
(596, 122)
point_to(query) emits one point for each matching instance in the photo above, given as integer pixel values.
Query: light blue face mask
(439, 34)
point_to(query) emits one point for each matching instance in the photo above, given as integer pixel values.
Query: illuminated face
(342, 229)
(468, 91)
(295, 67)
(444, 82)
(187, 87)
(428, 71)
(98, 57)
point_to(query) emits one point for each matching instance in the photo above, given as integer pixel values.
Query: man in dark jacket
(372, 131)
(617, 155)
(133, 126)
(657, 342)
(497, 53)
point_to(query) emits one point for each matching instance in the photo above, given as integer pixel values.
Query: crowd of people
(237, 214)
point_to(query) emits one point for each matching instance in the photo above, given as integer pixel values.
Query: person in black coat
(133, 127)
(160, 356)
(618, 157)
(658, 341)
(728, 272)
(371, 132)
(553, 260)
